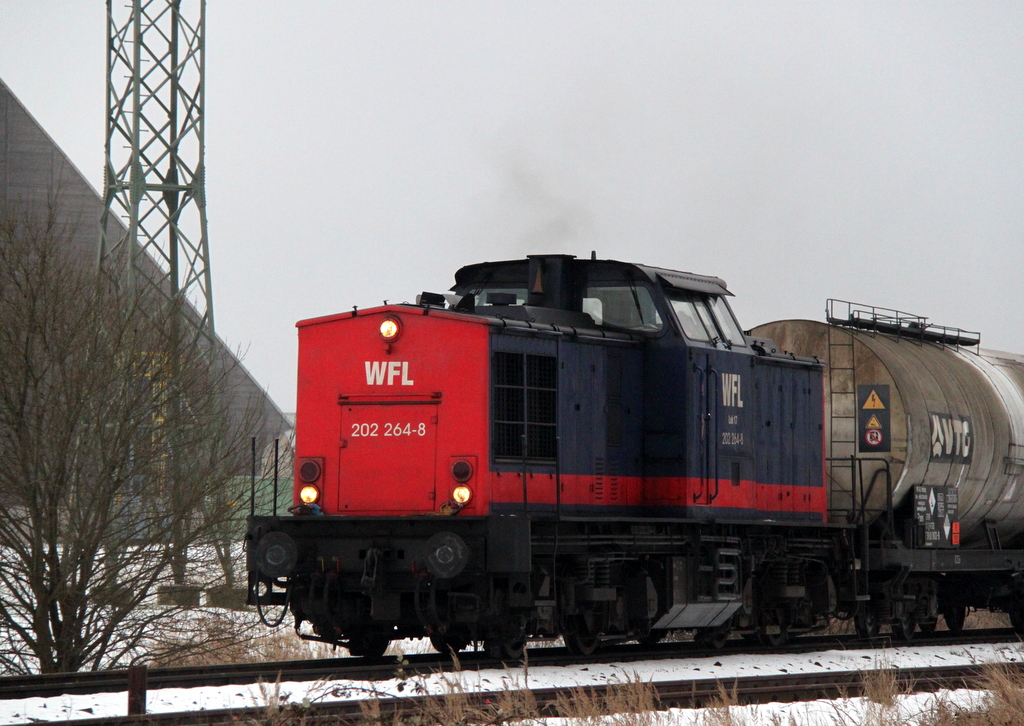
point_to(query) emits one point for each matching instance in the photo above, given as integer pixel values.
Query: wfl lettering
(379, 370)
(732, 392)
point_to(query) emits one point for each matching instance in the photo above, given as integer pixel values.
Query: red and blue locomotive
(588, 449)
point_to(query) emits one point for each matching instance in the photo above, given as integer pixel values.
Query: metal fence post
(137, 677)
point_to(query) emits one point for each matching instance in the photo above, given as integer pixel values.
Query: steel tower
(154, 176)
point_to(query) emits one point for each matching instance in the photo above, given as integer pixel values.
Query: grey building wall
(34, 170)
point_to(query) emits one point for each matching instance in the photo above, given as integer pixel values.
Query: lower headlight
(309, 494)
(462, 495)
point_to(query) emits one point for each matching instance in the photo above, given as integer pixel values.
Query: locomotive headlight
(389, 329)
(462, 470)
(462, 495)
(309, 470)
(309, 494)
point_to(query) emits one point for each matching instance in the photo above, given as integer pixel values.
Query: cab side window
(622, 306)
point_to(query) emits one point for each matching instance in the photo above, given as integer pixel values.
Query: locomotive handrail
(709, 431)
(263, 479)
(859, 512)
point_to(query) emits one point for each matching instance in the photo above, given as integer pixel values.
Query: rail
(525, 704)
(48, 685)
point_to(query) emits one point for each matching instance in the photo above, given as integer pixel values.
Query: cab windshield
(706, 318)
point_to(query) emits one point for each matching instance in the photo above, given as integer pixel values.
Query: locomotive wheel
(655, 636)
(448, 642)
(955, 617)
(504, 649)
(578, 643)
(903, 628)
(774, 640)
(866, 623)
(712, 637)
(776, 619)
(1016, 613)
(368, 644)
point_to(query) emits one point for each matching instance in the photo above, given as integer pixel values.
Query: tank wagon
(595, 450)
(937, 423)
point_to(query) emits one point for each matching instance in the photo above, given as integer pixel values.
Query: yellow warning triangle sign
(874, 402)
(874, 423)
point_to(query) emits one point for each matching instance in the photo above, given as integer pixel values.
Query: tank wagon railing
(899, 324)
(859, 513)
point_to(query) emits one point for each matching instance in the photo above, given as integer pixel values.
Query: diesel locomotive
(597, 450)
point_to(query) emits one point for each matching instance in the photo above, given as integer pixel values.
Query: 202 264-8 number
(367, 430)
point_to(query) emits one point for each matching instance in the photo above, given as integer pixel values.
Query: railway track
(56, 684)
(484, 707)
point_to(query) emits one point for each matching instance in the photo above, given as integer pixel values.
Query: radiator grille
(525, 402)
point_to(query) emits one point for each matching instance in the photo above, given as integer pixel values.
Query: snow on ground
(840, 712)
(723, 667)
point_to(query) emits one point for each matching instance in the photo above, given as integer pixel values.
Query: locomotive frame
(593, 450)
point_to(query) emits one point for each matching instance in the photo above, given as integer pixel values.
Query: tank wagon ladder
(842, 386)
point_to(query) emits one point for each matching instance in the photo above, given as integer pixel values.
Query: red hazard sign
(873, 437)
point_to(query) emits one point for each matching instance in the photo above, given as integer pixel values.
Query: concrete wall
(34, 170)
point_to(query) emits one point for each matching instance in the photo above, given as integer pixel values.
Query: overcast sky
(360, 151)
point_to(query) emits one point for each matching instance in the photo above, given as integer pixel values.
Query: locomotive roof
(508, 271)
(686, 280)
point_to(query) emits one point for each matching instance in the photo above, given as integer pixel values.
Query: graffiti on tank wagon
(952, 438)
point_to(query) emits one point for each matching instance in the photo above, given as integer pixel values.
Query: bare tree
(118, 456)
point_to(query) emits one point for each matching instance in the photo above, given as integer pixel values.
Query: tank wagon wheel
(955, 617)
(903, 627)
(866, 623)
(368, 644)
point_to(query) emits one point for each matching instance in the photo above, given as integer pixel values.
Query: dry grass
(723, 711)
(632, 702)
(985, 619)
(237, 637)
(1001, 705)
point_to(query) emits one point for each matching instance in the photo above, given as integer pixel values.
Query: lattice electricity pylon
(154, 176)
